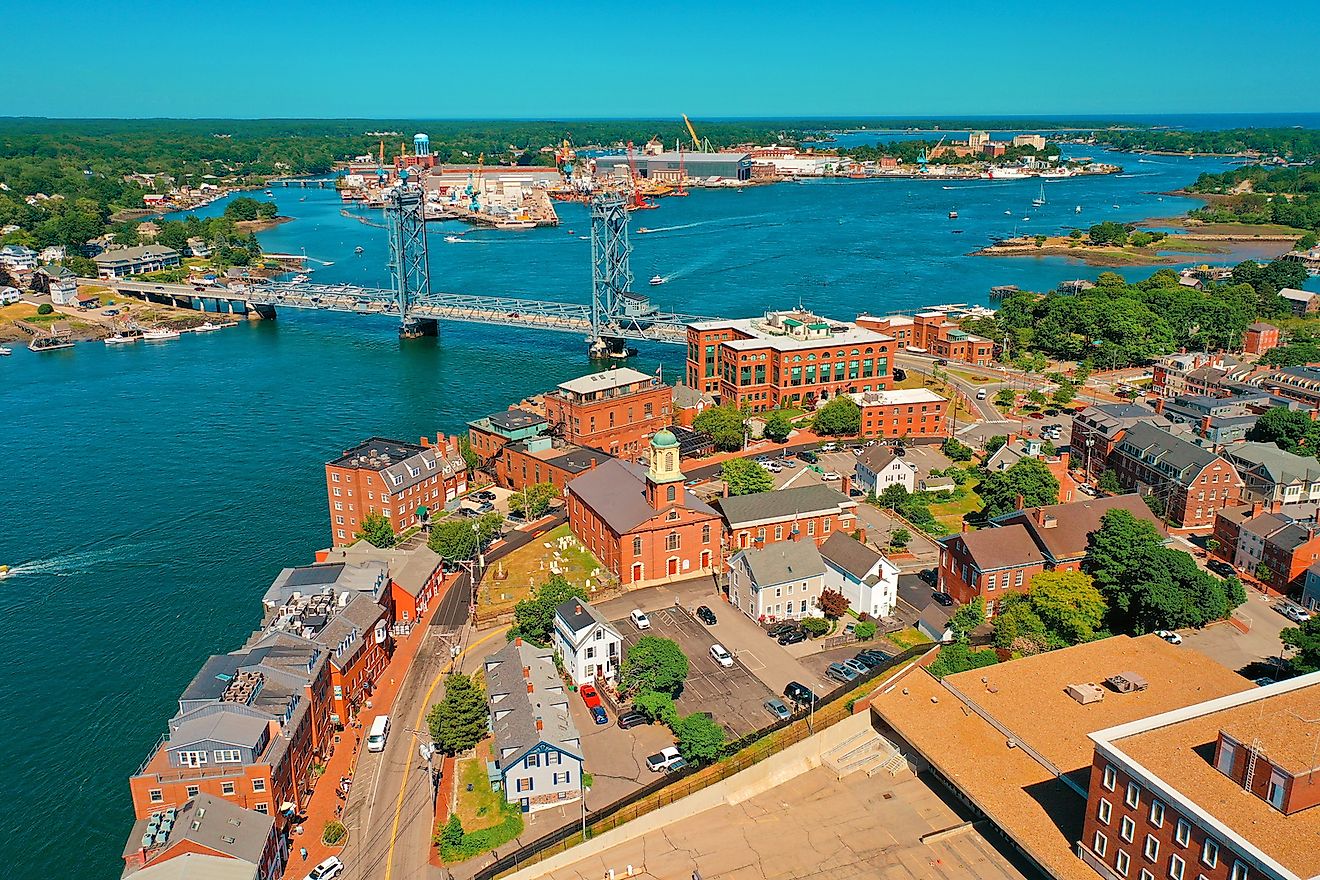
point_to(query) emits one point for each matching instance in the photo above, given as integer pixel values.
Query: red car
(593, 701)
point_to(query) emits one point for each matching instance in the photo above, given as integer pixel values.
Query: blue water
(155, 490)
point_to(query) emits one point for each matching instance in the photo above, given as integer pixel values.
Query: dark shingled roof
(850, 555)
(515, 419)
(1074, 522)
(780, 504)
(1005, 547)
(616, 492)
(1176, 456)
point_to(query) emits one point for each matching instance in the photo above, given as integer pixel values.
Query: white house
(18, 258)
(869, 580)
(62, 285)
(782, 581)
(588, 644)
(880, 467)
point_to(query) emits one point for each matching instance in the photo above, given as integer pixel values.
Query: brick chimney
(1276, 505)
(1205, 426)
(964, 526)
(593, 463)
(531, 688)
(1256, 507)
(1021, 501)
(1159, 405)
(861, 534)
(577, 609)
(424, 441)
(518, 641)
(527, 672)
(540, 725)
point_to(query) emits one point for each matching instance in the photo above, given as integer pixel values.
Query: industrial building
(671, 167)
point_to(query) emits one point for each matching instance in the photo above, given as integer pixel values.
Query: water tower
(421, 145)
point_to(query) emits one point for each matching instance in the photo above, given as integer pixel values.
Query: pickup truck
(665, 760)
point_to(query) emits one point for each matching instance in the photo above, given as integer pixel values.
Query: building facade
(136, 260)
(811, 513)
(867, 579)
(616, 411)
(988, 564)
(935, 334)
(780, 582)
(405, 482)
(903, 414)
(1189, 482)
(588, 645)
(880, 467)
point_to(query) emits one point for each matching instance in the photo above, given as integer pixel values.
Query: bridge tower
(410, 266)
(611, 274)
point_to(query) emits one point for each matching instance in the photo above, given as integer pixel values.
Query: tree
(994, 444)
(1305, 639)
(700, 739)
(841, 415)
(777, 426)
(1060, 608)
(1108, 482)
(1306, 242)
(45, 309)
(533, 501)
(746, 477)
(377, 530)
(959, 657)
(459, 721)
(724, 424)
(653, 664)
(1005, 397)
(1065, 394)
(968, 618)
(815, 626)
(452, 835)
(1037, 397)
(832, 604)
(453, 539)
(1028, 478)
(893, 496)
(1290, 430)
(656, 706)
(470, 457)
(534, 617)
(899, 539)
(956, 450)
(865, 630)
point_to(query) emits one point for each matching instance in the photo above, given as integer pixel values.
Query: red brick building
(642, 524)
(989, 563)
(616, 410)
(487, 436)
(1189, 482)
(1062, 532)
(393, 478)
(936, 334)
(908, 413)
(1260, 338)
(788, 359)
(806, 513)
(207, 832)
(544, 460)
(415, 576)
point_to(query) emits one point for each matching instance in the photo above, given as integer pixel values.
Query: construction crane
(925, 157)
(698, 144)
(474, 185)
(564, 157)
(637, 202)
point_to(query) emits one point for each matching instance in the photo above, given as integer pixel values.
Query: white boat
(160, 334)
(657, 280)
(208, 327)
(1009, 213)
(516, 224)
(1039, 200)
(358, 249)
(299, 279)
(1077, 210)
(122, 338)
(5, 351)
(1007, 173)
(643, 231)
(953, 215)
(453, 238)
(270, 192)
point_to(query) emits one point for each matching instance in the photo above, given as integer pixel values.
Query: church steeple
(663, 477)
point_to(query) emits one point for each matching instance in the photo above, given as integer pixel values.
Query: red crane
(638, 203)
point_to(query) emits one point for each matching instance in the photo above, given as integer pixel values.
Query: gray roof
(515, 419)
(616, 492)
(579, 614)
(686, 397)
(198, 866)
(850, 555)
(135, 254)
(238, 727)
(1111, 418)
(783, 561)
(410, 569)
(1174, 455)
(877, 458)
(215, 824)
(1282, 467)
(367, 576)
(743, 510)
(519, 709)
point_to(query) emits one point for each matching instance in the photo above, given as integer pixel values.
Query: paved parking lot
(733, 695)
(615, 758)
(1239, 651)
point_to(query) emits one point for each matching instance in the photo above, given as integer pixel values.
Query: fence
(738, 756)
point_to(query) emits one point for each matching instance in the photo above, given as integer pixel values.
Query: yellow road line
(421, 716)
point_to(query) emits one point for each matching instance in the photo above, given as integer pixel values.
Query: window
(533, 760)
(1176, 866)
(553, 758)
(705, 534)
(192, 791)
(156, 795)
(1239, 872)
(228, 756)
(1099, 844)
(524, 784)
(1157, 814)
(811, 527)
(263, 808)
(1183, 832)
(637, 546)
(1152, 848)
(561, 778)
(334, 477)
(1104, 810)
(670, 493)
(192, 759)
(258, 785)
(1133, 796)
(1210, 853)
(1121, 861)
(779, 533)
(671, 541)
(1111, 777)
(226, 788)
(1276, 790)
(1146, 875)
(1127, 829)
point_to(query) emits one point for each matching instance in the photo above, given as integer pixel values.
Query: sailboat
(1040, 199)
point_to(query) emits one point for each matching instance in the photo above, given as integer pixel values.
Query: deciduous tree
(746, 477)
(841, 415)
(1028, 478)
(725, 425)
(1305, 639)
(777, 426)
(534, 617)
(832, 604)
(533, 501)
(700, 739)
(654, 664)
(377, 530)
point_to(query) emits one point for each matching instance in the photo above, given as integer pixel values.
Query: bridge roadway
(497, 310)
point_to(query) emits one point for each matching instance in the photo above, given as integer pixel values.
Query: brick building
(1097, 429)
(544, 460)
(989, 563)
(488, 435)
(616, 410)
(1260, 338)
(1062, 531)
(415, 576)
(207, 835)
(641, 523)
(786, 359)
(935, 333)
(394, 478)
(1276, 545)
(1189, 482)
(907, 413)
(1225, 789)
(807, 512)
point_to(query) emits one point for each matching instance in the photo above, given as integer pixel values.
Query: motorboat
(121, 337)
(358, 249)
(657, 280)
(643, 231)
(452, 238)
(1008, 213)
(160, 334)
(953, 215)
(4, 571)
(299, 279)
(1077, 210)
(208, 327)
(5, 351)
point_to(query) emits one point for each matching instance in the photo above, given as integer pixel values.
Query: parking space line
(750, 660)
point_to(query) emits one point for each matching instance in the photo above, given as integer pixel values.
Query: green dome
(664, 438)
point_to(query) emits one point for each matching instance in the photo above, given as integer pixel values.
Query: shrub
(45, 309)
(865, 630)
(334, 833)
(815, 626)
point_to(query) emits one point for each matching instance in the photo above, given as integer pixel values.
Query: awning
(288, 808)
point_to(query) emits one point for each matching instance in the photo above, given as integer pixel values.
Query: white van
(981, 394)
(380, 731)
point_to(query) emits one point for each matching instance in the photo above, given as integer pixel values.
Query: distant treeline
(1297, 144)
(1290, 196)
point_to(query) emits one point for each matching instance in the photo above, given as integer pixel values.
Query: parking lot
(733, 696)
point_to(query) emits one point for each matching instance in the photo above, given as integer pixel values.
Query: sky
(296, 58)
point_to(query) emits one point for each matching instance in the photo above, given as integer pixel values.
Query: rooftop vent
(1085, 693)
(1127, 682)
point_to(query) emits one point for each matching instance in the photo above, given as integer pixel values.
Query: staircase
(866, 751)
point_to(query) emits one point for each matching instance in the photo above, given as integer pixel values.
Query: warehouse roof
(748, 510)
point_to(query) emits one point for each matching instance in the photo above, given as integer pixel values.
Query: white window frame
(1182, 832)
(1099, 844)
(1127, 829)
(1122, 861)
(1210, 852)
(1177, 867)
(1157, 813)
(1132, 797)
(1104, 810)
(1111, 777)
(1151, 848)
(1239, 871)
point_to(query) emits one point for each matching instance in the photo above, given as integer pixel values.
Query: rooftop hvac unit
(1127, 682)
(1085, 693)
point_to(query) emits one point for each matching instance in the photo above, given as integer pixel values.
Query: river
(154, 490)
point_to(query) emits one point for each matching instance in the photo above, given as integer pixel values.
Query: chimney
(1313, 414)
(593, 462)
(531, 688)
(1205, 426)
(518, 641)
(1256, 507)
(1021, 501)
(527, 672)
(540, 725)
(861, 534)
(1276, 505)
(424, 442)
(964, 526)
(577, 609)
(1159, 406)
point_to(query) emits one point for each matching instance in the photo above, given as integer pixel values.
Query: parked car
(327, 870)
(778, 629)
(829, 447)
(841, 673)
(1264, 680)
(943, 362)
(1169, 636)
(787, 462)
(639, 618)
(1220, 567)
(871, 659)
(799, 693)
(632, 719)
(808, 456)
(663, 759)
(1086, 490)
(485, 495)
(928, 575)
(1295, 613)
(593, 701)
(773, 467)
(777, 708)
(856, 665)
(942, 598)
(792, 637)
(705, 615)
(900, 374)
(678, 765)
(829, 476)
(1036, 415)
(720, 655)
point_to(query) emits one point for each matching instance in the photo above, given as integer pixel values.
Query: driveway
(615, 758)
(1243, 652)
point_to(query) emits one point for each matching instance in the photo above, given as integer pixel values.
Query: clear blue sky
(296, 58)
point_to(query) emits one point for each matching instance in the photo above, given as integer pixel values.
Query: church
(641, 523)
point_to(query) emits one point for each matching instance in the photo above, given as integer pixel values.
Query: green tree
(994, 444)
(453, 539)
(777, 426)
(1065, 394)
(1037, 397)
(832, 604)
(656, 706)
(968, 618)
(956, 450)
(815, 626)
(1063, 608)
(1108, 482)
(470, 457)
(724, 424)
(1306, 242)
(653, 664)
(865, 630)
(377, 530)
(45, 309)
(959, 657)
(459, 721)
(534, 617)
(899, 539)
(1290, 430)
(746, 477)
(1005, 398)
(841, 415)
(1305, 640)
(1028, 478)
(452, 835)
(533, 501)
(892, 496)
(700, 739)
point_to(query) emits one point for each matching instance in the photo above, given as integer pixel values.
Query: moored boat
(160, 334)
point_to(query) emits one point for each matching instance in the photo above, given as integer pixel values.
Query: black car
(872, 658)
(485, 495)
(799, 693)
(792, 637)
(632, 719)
(778, 629)
(943, 362)
(705, 615)
(928, 575)
(942, 598)
(900, 374)
(808, 456)
(1221, 568)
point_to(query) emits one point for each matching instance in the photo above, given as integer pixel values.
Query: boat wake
(79, 562)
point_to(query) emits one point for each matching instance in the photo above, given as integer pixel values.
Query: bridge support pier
(261, 312)
(608, 348)
(416, 328)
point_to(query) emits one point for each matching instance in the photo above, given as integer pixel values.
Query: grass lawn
(943, 389)
(513, 577)
(907, 638)
(488, 820)
(950, 513)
